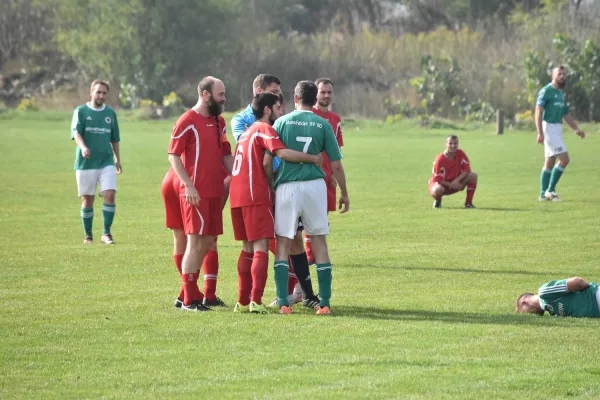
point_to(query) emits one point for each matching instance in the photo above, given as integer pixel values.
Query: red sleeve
(338, 133)
(180, 136)
(465, 166)
(273, 144)
(225, 145)
(437, 174)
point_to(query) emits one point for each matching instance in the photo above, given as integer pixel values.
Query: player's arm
(268, 168)
(117, 156)
(191, 193)
(238, 126)
(115, 138)
(577, 284)
(539, 111)
(573, 124)
(77, 129)
(340, 176)
(299, 157)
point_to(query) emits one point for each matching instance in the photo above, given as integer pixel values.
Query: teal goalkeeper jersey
(98, 128)
(554, 104)
(306, 132)
(557, 300)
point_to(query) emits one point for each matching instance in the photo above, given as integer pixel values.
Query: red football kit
(336, 124)
(201, 143)
(170, 195)
(250, 199)
(446, 169)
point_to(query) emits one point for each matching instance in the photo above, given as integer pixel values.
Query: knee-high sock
(281, 279)
(244, 268)
(178, 258)
(471, 187)
(308, 247)
(325, 276)
(544, 181)
(300, 265)
(260, 271)
(557, 172)
(108, 214)
(210, 268)
(87, 217)
(191, 291)
(292, 278)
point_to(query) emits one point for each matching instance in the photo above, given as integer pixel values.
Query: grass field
(423, 299)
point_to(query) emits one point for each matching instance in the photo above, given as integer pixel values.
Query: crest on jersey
(549, 308)
(108, 120)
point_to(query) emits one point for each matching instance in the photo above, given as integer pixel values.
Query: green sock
(545, 181)
(557, 172)
(324, 276)
(87, 216)
(108, 213)
(281, 282)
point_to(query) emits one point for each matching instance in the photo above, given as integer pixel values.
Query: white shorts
(553, 140)
(88, 180)
(306, 200)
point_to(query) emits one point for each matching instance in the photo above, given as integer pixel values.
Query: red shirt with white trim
(446, 169)
(201, 146)
(249, 184)
(336, 124)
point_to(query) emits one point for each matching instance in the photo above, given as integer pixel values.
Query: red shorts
(253, 222)
(170, 195)
(331, 199)
(205, 219)
(447, 191)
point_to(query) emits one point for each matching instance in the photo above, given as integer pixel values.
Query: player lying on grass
(252, 199)
(452, 173)
(573, 297)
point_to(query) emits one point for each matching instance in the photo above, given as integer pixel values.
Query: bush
(27, 105)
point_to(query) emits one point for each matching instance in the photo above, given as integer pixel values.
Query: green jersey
(554, 104)
(556, 299)
(98, 128)
(306, 132)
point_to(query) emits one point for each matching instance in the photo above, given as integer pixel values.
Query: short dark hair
(264, 80)
(262, 100)
(100, 82)
(306, 91)
(206, 84)
(327, 81)
(281, 98)
(451, 137)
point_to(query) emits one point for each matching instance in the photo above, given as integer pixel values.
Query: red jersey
(445, 169)
(249, 184)
(201, 146)
(336, 124)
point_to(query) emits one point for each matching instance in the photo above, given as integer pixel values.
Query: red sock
(260, 270)
(178, 260)
(308, 246)
(210, 269)
(273, 246)
(191, 291)
(244, 268)
(292, 278)
(470, 192)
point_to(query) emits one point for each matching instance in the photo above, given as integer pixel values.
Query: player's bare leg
(557, 171)
(282, 253)
(470, 182)
(87, 217)
(108, 214)
(324, 273)
(179, 244)
(196, 249)
(437, 191)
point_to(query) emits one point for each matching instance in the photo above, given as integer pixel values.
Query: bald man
(550, 110)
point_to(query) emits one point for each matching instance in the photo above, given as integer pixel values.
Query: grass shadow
(450, 317)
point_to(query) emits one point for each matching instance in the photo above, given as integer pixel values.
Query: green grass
(423, 299)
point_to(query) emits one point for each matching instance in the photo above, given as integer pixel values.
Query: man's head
(212, 92)
(266, 107)
(305, 94)
(559, 77)
(98, 91)
(325, 92)
(528, 303)
(266, 83)
(451, 144)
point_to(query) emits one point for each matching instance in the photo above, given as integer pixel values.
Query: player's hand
(85, 152)
(580, 133)
(118, 167)
(540, 138)
(332, 181)
(192, 196)
(319, 161)
(344, 204)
